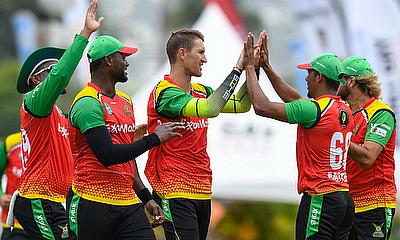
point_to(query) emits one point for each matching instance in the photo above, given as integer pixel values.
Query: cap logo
(322, 65)
(352, 69)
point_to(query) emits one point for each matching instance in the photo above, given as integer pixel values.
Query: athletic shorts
(325, 217)
(374, 224)
(15, 234)
(185, 218)
(41, 219)
(93, 220)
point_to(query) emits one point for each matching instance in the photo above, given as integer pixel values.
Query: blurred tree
(182, 14)
(9, 98)
(7, 9)
(257, 221)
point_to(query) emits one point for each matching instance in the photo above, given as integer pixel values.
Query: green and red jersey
(323, 138)
(92, 180)
(46, 153)
(179, 168)
(11, 166)
(374, 187)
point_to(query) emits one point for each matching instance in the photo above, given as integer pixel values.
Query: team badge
(343, 118)
(378, 233)
(108, 108)
(126, 109)
(355, 131)
(64, 229)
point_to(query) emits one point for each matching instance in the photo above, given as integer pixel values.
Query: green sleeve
(41, 100)
(87, 113)
(380, 128)
(171, 102)
(3, 162)
(304, 112)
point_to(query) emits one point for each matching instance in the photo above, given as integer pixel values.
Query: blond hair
(371, 84)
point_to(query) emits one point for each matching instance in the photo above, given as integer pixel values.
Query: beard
(343, 93)
(121, 76)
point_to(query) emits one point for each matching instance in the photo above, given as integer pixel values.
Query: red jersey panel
(322, 150)
(46, 156)
(373, 187)
(179, 168)
(93, 181)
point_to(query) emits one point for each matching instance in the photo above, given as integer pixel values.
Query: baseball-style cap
(356, 66)
(328, 64)
(105, 45)
(32, 62)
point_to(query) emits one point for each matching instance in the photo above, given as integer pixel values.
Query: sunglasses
(46, 69)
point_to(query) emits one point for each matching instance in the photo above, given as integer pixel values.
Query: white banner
(318, 30)
(373, 30)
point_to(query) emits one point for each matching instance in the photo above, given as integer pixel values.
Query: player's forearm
(213, 105)
(239, 102)
(286, 92)
(108, 154)
(360, 155)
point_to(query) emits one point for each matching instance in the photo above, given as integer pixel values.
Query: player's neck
(107, 87)
(181, 78)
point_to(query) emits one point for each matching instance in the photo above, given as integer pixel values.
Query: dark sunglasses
(46, 69)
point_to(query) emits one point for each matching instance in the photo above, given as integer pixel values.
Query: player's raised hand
(91, 24)
(248, 50)
(264, 54)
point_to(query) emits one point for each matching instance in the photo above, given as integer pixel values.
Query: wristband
(144, 195)
(236, 68)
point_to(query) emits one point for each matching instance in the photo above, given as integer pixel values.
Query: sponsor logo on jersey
(117, 128)
(64, 131)
(340, 177)
(380, 129)
(193, 125)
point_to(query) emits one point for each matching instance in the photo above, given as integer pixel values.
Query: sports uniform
(46, 153)
(373, 189)
(323, 138)
(105, 192)
(179, 170)
(104, 200)
(10, 165)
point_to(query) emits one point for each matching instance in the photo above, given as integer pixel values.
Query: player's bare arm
(286, 92)
(366, 154)
(261, 104)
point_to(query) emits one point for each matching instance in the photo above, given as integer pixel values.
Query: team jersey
(374, 187)
(179, 168)
(92, 180)
(322, 146)
(46, 153)
(11, 166)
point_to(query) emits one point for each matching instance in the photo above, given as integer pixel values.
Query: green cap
(328, 64)
(105, 45)
(33, 61)
(356, 66)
